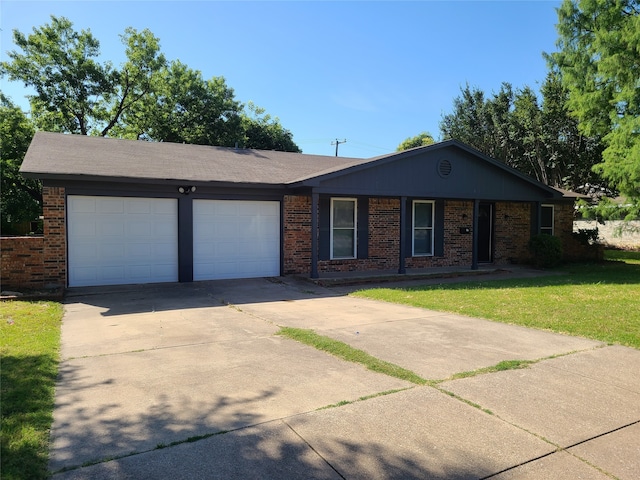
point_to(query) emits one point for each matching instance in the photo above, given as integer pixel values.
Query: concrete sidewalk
(190, 381)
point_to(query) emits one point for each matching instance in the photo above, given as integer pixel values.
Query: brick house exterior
(511, 246)
(473, 210)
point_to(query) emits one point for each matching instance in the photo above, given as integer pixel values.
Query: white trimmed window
(422, 240)
(343, 227)
(546, 219)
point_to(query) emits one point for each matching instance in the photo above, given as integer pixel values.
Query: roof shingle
(56, 155)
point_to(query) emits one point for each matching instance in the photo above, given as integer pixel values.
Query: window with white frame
(546, 219)
(343, 227)
(422, 228)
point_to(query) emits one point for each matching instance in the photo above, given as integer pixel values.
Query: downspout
(314, 234)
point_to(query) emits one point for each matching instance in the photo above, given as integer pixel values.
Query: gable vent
(444, 168)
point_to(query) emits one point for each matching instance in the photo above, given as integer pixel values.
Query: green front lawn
(598, 301)
(29, 344)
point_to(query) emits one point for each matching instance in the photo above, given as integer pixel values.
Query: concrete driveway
(191, 381)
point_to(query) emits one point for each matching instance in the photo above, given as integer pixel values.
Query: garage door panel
(118, 242)
(142, 206)
(109, 205)
(109, 228)
(111, 274)
(109, 252)
(83, 205)
(86, 252)
(86, 275)
(236, 239)
(164, 228)
(140, 229)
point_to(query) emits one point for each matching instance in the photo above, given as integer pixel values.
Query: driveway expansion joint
(304, 440)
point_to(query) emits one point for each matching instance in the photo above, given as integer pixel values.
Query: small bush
(546, 250)
(587, 236)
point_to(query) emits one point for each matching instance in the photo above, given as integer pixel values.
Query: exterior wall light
(187, 190)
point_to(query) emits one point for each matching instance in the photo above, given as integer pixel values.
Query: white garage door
(121, 240)
(235, 239)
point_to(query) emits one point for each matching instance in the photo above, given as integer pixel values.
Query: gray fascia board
(64, 178)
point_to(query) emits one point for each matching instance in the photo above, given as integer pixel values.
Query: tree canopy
(146, 97)
(421, 140)
(598, 59)
(539, 138)
(20, 198)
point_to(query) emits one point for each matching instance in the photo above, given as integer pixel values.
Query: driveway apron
(192, 381)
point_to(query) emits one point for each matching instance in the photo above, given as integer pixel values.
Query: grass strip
(500, 367)
(350, 354)
(29, 349)
(362, 399)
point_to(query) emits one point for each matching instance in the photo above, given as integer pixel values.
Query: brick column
(55, 236)
(297, 234)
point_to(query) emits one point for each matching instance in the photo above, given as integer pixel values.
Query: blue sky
(370, 72)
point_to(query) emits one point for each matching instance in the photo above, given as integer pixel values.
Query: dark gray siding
(443, 173)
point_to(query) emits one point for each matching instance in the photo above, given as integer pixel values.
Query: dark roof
(57, 156)
(62, 156)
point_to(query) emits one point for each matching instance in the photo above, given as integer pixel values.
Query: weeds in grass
(362, 399)
(505, 365)
(350, 354)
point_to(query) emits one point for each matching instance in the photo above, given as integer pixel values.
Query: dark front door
(485, 232)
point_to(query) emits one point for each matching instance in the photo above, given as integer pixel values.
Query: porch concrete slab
(558, 399)
(557, 466)
(215, 372)
(268, 451)
(618, 453)
(416, 434)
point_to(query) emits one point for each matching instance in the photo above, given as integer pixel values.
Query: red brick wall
(297, 234)
(512, 232)
(384, 233)
(383, 244)
(21, 262)
(55, 241)
(563, 222)
(571, 246)
(457, 246)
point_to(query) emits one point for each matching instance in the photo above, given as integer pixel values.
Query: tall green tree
(185, 108)
(263, 132)
(421, 140)
(538, 137)
(471, 121)
(598, 58)
(144, 98)
(76, 93)
(20, 198)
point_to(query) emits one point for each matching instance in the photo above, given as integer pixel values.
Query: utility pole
(338, 142)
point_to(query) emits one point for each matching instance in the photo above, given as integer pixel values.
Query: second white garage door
(235, 239)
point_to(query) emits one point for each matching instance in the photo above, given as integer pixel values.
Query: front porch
(331, 279)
